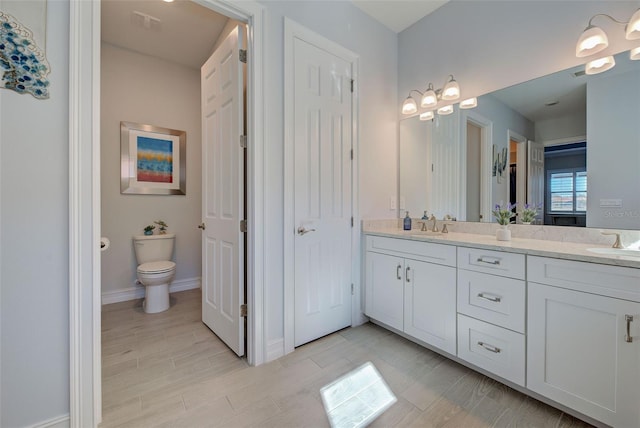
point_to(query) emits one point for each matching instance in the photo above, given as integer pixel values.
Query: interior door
(535, 175)
(322, 192)
(222, 193)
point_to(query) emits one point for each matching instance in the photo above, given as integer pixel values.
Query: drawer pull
(398, 272)
(496, 299)
(490, 348)
(627, 337)
(406, 274)
(489, 261)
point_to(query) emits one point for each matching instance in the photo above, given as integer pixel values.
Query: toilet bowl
(155, 270)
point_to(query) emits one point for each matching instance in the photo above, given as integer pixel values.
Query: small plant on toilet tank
(148, 230)
(163, 226)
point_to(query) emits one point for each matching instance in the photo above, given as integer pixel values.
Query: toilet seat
(156, 267)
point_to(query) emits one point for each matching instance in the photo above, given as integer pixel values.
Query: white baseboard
(275, 350)
(57, 422)
(137, 291)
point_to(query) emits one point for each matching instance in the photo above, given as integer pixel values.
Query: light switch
(392, 203)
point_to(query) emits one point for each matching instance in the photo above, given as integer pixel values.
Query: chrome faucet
(435, 225)
(618, 243)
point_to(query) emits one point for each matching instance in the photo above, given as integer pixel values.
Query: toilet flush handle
(202, 226)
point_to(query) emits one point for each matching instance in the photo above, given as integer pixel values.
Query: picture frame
(152, 160)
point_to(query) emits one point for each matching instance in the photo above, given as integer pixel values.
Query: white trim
(85, 395)
(137, 291)
(57, 422)
(568, 140)
(275, 349)
(293, 30)
(486, 155)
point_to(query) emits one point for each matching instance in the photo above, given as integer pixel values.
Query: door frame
(293, 30)
(486, 154)
(521, 167)
(85, 374)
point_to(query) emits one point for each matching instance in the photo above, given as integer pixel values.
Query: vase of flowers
(163, 226)
(529, 213)
(503, 215)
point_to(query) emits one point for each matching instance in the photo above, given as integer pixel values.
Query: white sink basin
(615, 252)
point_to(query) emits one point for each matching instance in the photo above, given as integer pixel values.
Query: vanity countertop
(534, 247)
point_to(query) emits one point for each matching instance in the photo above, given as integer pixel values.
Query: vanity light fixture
(430, 98)
(443, 111)
(599, 65)
(427, 115)
(469, 103)
(409, 105)
(634, 54)
(593, 39)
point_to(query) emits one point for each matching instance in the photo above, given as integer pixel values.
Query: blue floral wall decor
(23, 64)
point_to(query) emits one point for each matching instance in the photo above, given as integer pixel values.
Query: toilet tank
(153, 248)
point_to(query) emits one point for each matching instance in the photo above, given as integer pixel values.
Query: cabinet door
(383, 289)
(578, 354)
(430, 304)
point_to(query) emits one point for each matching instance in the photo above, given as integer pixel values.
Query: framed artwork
(152, 160)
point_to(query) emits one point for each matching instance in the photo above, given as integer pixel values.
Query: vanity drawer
(495, 349)
(492, 262)
(491, 298)
(612, 281)
(417, 250)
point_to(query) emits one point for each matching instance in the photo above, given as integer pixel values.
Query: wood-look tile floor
(169, 370)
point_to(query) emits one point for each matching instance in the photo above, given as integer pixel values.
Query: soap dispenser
(407, 222)
(425, 216)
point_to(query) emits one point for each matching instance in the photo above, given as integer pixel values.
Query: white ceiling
(398, 14)
(185, 34)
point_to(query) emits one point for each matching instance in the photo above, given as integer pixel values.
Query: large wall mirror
(567, 142)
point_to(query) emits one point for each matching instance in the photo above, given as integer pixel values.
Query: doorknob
(202, 226)
(302, 230)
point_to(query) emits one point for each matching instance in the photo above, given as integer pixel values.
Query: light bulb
(591, 41)
(409, 106)
(429, 99)
(427, 115)
(469, 103)
(634, 54)
(443, 111)
(632, 31)
(451, 90)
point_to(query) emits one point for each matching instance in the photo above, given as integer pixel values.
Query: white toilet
(155, 269)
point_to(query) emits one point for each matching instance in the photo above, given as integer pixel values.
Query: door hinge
(243, 55)
(243, 141)
(352, 289)
(243, 226)
(243, 310)
(352, 85)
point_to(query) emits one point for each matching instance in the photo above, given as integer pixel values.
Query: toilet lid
(156, 267)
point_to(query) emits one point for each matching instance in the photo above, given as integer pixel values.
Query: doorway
(517, 177)
(476, 164)
(84, 209)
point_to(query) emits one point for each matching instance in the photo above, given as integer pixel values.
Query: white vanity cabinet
(411, 286)
(583, 347)
(491, 311)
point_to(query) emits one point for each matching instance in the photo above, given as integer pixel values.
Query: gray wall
(34, 309)
(143, 89)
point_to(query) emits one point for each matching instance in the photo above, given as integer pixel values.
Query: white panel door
(535, 175)
(322, 192)
(445, 166)
(222, 193)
